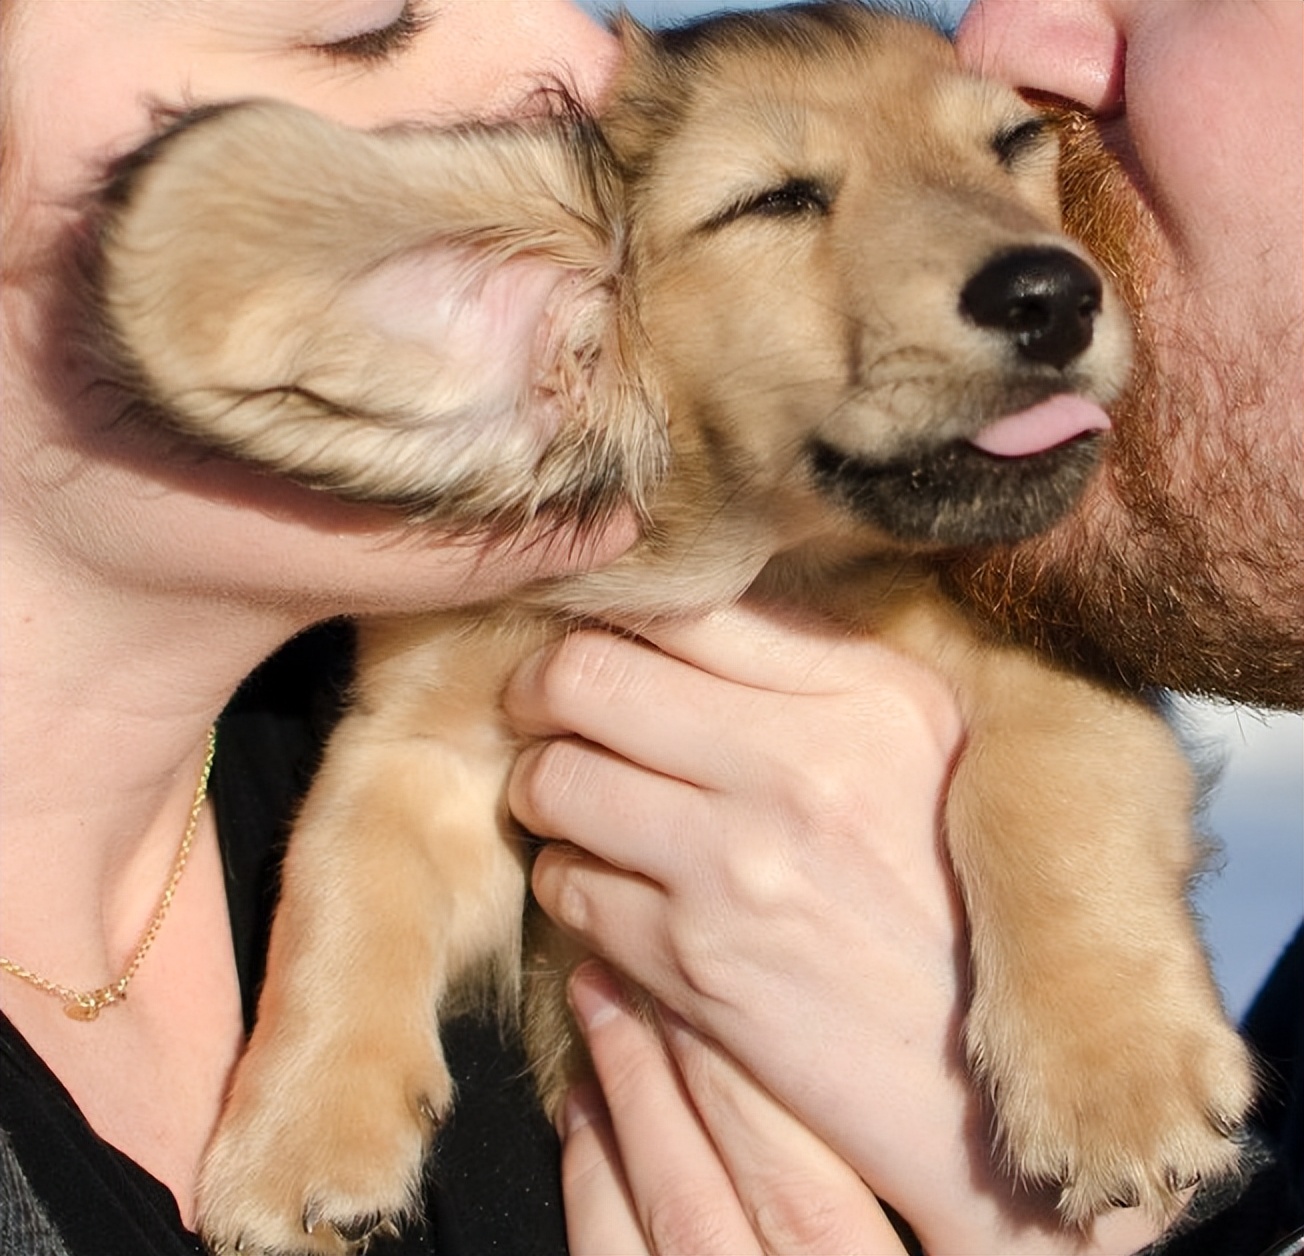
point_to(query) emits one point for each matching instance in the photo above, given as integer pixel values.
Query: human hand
(655, 1180)
(721, 778)
(756, 808)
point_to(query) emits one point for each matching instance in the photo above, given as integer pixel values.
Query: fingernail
(519, 691)
(528, 668)
(673, 1023)
(595, 995)
(582, 1106)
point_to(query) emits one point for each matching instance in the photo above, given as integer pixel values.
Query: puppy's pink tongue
(1042, 427)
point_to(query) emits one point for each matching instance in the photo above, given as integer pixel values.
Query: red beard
(1182, 577)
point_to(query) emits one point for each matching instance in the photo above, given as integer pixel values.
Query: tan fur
(293, 355)
(1094, 1022)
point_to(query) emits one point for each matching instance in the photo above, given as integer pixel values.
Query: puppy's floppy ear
(429, 319)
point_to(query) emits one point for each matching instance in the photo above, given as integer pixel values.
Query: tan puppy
(816, 274)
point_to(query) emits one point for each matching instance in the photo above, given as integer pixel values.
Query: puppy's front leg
(1094, 1018)
(399, 880)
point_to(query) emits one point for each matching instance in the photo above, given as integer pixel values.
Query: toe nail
(356, 1229)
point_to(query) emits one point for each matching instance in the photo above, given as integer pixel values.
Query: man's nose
(1068, 48)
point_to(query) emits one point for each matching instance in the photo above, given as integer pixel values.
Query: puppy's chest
(886, 595)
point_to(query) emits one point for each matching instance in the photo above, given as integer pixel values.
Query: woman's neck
(107, 702)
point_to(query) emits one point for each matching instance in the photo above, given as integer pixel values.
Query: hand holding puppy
(797, 921)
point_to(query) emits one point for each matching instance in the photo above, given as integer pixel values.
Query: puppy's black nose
(1044, 299)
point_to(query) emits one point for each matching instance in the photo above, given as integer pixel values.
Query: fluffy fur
(744, 302)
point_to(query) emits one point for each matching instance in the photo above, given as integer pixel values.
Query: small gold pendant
(81, 1011)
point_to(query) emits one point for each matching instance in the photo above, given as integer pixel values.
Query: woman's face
(88, 71)
(82, 80)
(1188, 559)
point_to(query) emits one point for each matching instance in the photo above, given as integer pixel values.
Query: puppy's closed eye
(797, 197)
(1016, 142)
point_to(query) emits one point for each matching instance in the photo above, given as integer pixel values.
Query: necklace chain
(86, 1005)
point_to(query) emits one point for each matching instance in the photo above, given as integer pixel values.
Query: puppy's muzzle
(1044, 300)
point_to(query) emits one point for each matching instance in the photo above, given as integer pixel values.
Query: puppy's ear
(429, 319)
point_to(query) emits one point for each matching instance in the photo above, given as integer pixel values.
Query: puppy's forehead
(887, 100)
(835, 62)
(879, 93)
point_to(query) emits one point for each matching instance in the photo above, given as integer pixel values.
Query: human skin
(1199, 519)
(107, 63)
(139, 586)
(732, 875)
(835, 985)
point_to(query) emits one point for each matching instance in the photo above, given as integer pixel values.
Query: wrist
(1002, 1229)
(985, 1212)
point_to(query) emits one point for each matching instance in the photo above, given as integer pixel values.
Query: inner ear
(479, 323)
(417, 318)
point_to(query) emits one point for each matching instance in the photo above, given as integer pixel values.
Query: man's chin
(1181, 566)
(1141, 609)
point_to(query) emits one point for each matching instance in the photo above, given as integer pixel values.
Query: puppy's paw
(315, 1154)
(1116, 1115)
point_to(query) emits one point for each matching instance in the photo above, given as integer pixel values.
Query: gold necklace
(86, 1005)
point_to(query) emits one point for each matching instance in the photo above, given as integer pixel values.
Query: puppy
(801, 297)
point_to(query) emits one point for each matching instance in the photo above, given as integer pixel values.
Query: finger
(601, 1219)
(619, 915)
(630, 816)
(705, 713)
(680, 1190)
(773, 650)
(631, 922)
(654, 710)
(778, 649)
(801, 1198)
(763, 648)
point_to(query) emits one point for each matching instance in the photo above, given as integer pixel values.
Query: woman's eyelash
(383, 43)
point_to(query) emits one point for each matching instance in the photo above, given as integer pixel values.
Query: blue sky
(1252, 897)
(659, 12)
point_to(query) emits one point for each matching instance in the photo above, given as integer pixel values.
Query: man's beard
(1183, 567)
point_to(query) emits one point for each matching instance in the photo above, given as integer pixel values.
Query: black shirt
(493, 1185)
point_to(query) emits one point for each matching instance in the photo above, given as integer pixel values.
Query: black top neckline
(494, 1183)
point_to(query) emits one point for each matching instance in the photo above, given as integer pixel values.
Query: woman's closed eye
(383, 42)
